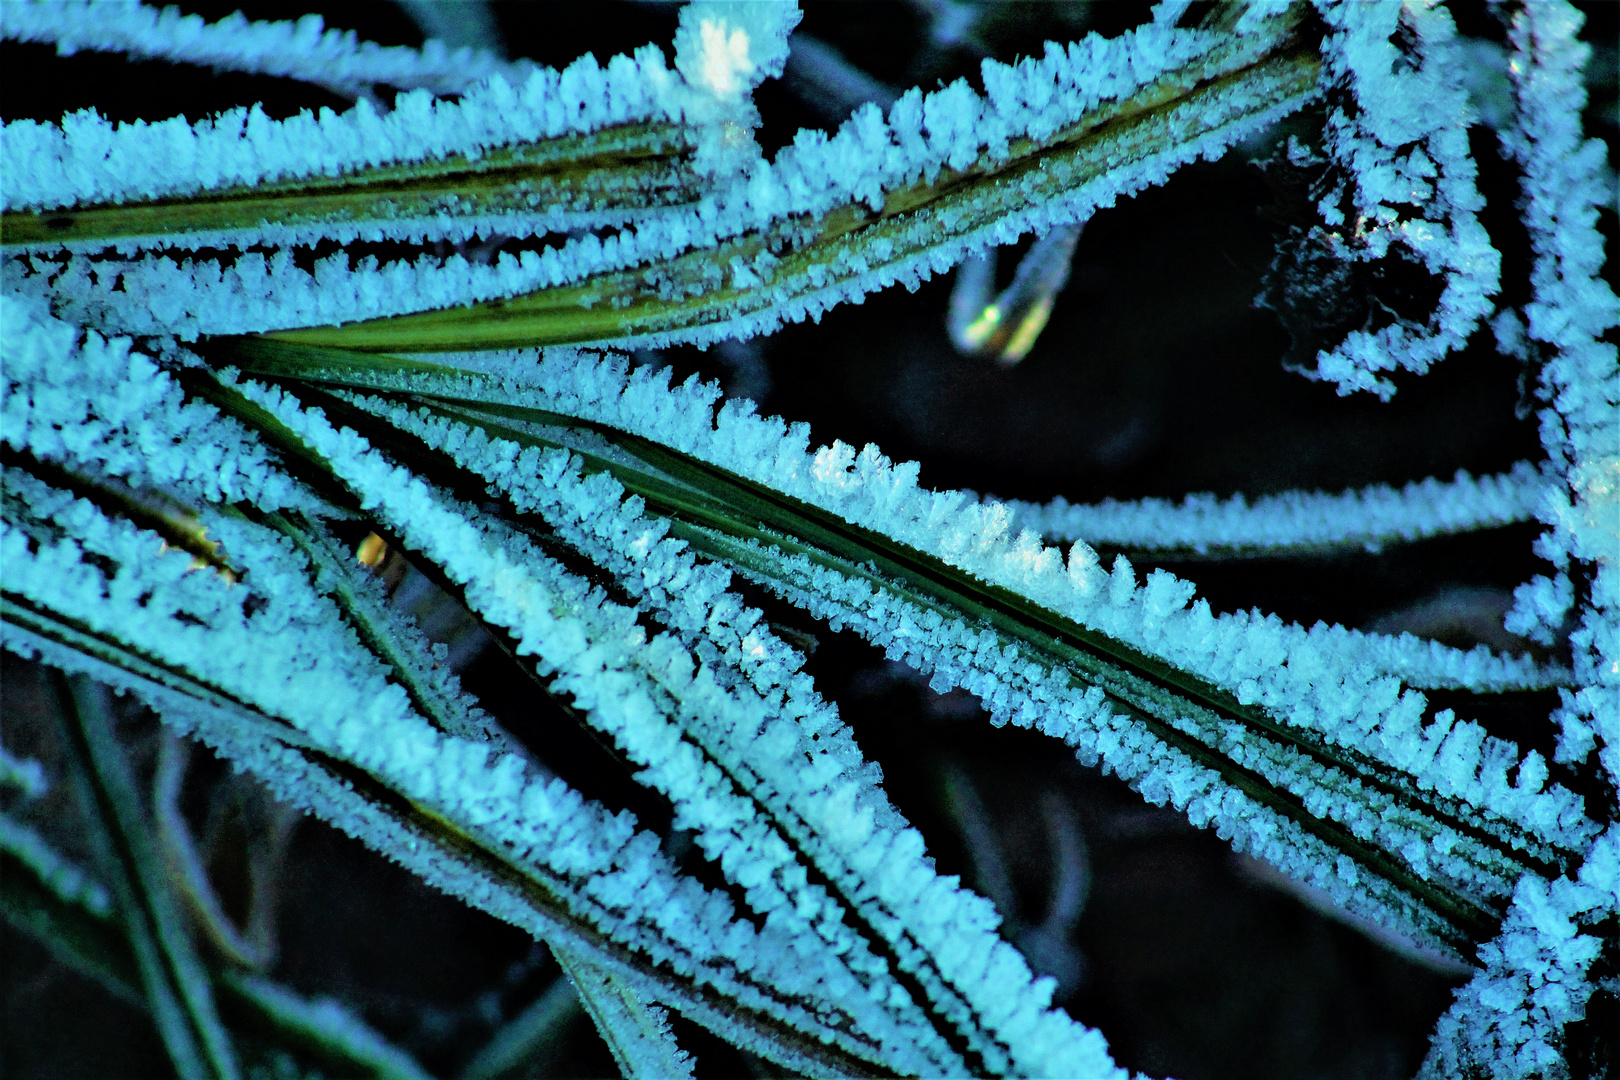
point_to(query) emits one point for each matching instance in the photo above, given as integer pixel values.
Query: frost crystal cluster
(205, 409)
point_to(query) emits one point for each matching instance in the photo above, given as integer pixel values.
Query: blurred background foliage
(1157, 375)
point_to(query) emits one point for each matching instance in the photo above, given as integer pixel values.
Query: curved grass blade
(815, 264)
(250, 948)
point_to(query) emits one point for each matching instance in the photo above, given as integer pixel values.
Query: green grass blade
(322, 1030)
(612, 174)
(826, 257)
(387, 633)
(79, 935)
(176, 983)
(93, 943)
(527, 1036)
(343, 793)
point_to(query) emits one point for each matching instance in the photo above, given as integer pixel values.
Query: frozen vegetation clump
(251, 363)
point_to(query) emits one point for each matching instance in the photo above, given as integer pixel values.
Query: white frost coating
(71, 396)
(1424, 664)
(1565, 181)
(1015, 689)
(635, 1030)
(295, 659)
(1507, 1022)
(86, 159)
(868, 156)
(234, 546)
(67, 880)
(586, 513)
(271, 756)
(936, 929)
(727, 48)
(305, 50)
(635, 690)
(1369, 517)
(723, 49)
(794, 756)
(1303, 677)
(417, 662)
(1404, 142)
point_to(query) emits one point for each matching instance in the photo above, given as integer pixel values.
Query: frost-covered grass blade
(571, 181)
(217, 376)
(794, 545)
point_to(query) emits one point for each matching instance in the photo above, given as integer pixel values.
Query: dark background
(1157, 375)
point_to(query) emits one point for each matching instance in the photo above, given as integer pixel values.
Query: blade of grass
(526, 1038)
(177, 525)
(94, 943)
(720, 513)
(425, 842)
(88, 940)
(175, 981)
(185, 865)
(68, 882)
(322, 1029)
(383, 630)
(822, 260)
(610, 173)
(636, 1032)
